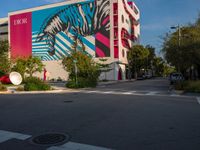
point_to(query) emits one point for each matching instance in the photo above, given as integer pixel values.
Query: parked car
(175, 77)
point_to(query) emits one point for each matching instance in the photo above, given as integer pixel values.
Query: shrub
(192, 86)
(1, 73)
(188, 86)
(81, 83)
(35, 84)
(2, 87)
(82, 67)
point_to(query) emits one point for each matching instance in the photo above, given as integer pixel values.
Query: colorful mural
(55, 30)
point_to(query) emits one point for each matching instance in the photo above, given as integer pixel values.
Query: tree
(4, 60)
(86, 69)
(33, 65)
(4, 46)
(186, 53)
(151, 58)
(136, 58)
(159, 64)
(20, 65)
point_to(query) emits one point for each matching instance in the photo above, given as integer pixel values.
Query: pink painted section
(106, 20)
(21, 35)
(120, 74)
(116, 52)
(99, 52)
(100, 37)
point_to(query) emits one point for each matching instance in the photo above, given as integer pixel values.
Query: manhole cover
(50, 139)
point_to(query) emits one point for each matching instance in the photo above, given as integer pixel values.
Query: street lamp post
(179, 40)
(179, 33)
(76, 71)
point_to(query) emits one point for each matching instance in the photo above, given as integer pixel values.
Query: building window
(3, 33)
(127, 21)
(122, 19)
(4, 24)
(135, 10)
(123, 53)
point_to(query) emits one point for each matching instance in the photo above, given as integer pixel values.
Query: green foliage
(193, 86)
(136, 58)
(2, 87)
(4, 46)
(27, 66)
(183, 50)
(1, 73)
(33, 65)
(86, 69)
(159, 64)
(188, 86)
(82, 82)
(4, 60)
(167, 70)
(35, 84)
(20, 66)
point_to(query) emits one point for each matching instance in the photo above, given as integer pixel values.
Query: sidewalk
(58, 87)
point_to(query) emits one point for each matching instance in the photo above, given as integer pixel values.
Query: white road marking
(198, 100)
(109, 92)
(152, 93)
(77, 146)
(129, 93)
(91, 91)
(6, 135)
(138, 93)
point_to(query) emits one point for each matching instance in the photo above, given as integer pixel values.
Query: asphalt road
(147, 117)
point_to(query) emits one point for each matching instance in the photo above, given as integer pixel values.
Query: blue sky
(156, 15)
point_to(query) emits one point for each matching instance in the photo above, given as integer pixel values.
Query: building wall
(127, 30)
(3, 28)
(49, 32)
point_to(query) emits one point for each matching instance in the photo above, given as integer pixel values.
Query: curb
(39, 92)
(114, 82)
(12, 90)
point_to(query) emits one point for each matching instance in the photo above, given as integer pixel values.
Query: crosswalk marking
(129, 93)
(77, 146)
(6, 135)
(109, 92)
(151, 93)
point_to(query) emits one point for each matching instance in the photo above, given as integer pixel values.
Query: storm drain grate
(50, 139)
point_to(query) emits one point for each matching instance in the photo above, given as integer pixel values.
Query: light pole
(76, 72)
(179, 40)
(179, 33)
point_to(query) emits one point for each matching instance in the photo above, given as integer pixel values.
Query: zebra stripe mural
(55, 30)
